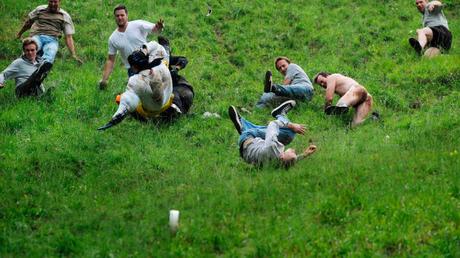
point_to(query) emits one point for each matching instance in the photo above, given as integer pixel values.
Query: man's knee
(432, 52)
(425, 31)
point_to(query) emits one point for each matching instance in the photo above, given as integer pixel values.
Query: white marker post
(173, 221)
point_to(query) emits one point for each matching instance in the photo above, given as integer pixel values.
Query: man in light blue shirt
(28, 71)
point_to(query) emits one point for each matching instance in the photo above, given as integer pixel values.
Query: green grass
(387, 188)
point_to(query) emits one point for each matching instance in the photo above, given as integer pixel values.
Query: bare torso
(342, 83)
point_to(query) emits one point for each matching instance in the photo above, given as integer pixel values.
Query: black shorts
(442, 38)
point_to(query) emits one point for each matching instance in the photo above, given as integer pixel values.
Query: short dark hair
(28, 41)
(281, 58)
(120, 7)
(324, 74)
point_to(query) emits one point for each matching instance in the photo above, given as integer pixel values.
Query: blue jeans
(285, 92)
(49, 45)
(249, 129)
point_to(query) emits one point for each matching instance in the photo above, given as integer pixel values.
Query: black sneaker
(268, 85)
(416, 45)
(236, 119)
(284, 108)
(375, 116)
(335, 110)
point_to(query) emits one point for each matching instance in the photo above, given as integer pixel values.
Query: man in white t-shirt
(128, 37)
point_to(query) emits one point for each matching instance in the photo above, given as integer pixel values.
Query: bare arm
(71, 46)
(287, 81)
(108, 68)
(330, 89)
(26, 26)
(158, 26)
(307, 152)
(434, 4)
(297, 128)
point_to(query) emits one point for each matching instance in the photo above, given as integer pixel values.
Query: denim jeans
(283, 93)
(49, 45)
(249, 129)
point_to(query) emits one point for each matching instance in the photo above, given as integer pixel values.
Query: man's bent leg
(362, 110)
(353, 97)
(32, 86)
(270, 99)
(285, 135)
(186, 97)
(49, 46)
(296, 91)
(424, 36)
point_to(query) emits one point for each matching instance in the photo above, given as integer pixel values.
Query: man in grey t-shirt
(296, 84)
(260, 145)
(435, 33)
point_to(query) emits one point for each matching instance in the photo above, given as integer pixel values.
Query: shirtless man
(435, 33)
(351, 93)
(261, 144)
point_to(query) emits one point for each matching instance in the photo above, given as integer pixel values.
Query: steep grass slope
(387, 188)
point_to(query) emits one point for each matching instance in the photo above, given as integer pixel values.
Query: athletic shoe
(416, 45)
(375, 116)
(268, 85)
(236, 119)
(284, 108)
(335, 110)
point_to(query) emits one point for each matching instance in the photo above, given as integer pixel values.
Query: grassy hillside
(388, 188)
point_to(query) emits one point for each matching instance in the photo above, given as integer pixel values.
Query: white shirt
(132, 39)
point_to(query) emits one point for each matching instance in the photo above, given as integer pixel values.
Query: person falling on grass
(47, 23)
(435, 33)
(262, 144)
(150, 93)
(296, 84)
(29, 71)
(351, 93)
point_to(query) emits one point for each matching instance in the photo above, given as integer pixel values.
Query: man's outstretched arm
(108, 68)
(297, 128)
(307, 152)
(71, 46)
(433, 5)
(159, 26)
(26, 26)
(330, 90)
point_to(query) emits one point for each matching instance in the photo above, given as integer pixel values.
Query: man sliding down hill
(296, 84)
(262, 144)
(29, 71)
(435, 34)
(351, 93)
(150, 91)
